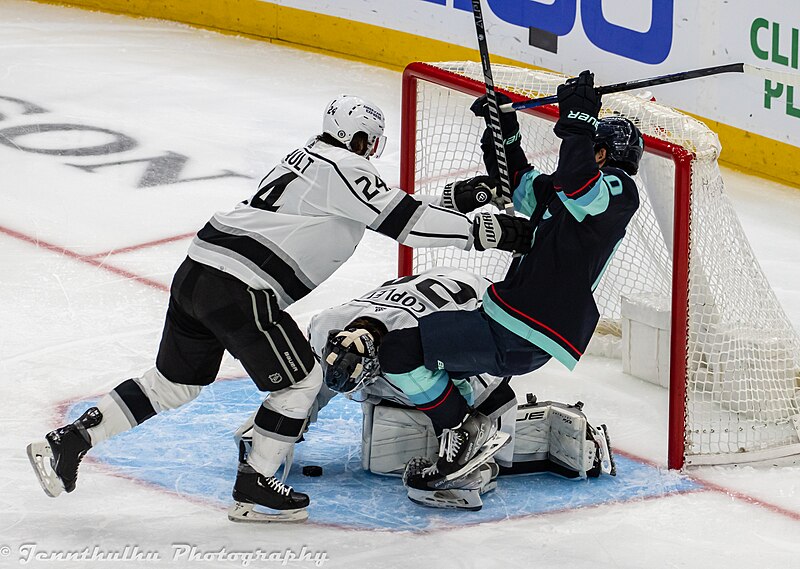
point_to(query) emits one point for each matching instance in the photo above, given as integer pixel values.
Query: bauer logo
(546, 22)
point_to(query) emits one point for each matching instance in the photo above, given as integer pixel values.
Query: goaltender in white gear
(546, 437)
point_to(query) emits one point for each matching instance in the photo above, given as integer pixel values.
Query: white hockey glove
(468, 195)
(500, 231)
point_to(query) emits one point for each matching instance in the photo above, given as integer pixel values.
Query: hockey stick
(778, 76)
(494, 108)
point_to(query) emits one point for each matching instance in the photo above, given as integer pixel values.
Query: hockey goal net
(734, 356)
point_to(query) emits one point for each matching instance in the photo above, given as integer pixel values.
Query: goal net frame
(681, 157)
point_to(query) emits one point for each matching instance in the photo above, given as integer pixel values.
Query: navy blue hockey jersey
(581, 213)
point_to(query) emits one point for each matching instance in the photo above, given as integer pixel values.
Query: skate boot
(468, 445)
(56, 460)
(427, 488)
(252, 489)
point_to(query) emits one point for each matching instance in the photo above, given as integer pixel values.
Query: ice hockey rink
(90, 235)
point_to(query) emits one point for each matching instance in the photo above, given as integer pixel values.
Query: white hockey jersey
(307, 217)
(401, 302)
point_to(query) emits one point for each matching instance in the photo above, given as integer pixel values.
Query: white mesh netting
(743, 355)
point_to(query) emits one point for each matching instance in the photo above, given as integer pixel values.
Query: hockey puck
(312, 470)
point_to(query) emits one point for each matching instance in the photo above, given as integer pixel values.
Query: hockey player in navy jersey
(544, 307)
(244, 268)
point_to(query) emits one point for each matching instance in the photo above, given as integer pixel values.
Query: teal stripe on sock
(421, 385)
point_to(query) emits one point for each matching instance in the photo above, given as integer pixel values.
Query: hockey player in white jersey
(244, 268)
(554, 437)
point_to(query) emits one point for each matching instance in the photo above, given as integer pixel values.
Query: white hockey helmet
(347, 115)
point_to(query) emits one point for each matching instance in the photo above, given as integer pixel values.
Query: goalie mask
(350, 360)
(623, 143)
(346, 116)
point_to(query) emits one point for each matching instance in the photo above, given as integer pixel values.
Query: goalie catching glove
(500, 231)
(468, 195)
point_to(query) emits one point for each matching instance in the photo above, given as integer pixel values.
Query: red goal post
(723, 407)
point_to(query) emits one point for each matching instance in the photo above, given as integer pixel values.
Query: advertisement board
(621, 40)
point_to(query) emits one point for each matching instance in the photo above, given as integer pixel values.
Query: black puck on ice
(312, 470)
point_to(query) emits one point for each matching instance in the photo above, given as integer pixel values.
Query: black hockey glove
(578, 106)
(509, 125)
(512, 139)
(500, 231)
(468, 195)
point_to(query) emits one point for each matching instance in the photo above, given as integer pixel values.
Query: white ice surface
(72, 329)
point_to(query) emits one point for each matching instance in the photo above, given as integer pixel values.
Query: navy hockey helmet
(350, 360)
(623, 143)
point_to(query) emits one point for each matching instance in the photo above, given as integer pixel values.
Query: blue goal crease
(191, 451)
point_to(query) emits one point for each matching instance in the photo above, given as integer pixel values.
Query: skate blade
(40, 454)
(469, 500)
(487, 451)
(608, 465)
(242, 512)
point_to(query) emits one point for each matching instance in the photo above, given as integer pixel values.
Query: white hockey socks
(135, 400)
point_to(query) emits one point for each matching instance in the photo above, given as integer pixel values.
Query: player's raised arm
(580, 183)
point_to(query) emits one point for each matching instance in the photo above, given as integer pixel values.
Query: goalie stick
(778, 76)
(494, 108)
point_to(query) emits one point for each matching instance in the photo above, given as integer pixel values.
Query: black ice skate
(252, 489)
(427, 487)
(468, 445)
(55, 461)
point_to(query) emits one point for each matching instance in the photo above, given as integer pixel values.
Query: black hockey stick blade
(778, 76)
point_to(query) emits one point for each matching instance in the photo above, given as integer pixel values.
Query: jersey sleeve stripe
(587, 185)
(446, 210)
(401, 217)
(439, 235)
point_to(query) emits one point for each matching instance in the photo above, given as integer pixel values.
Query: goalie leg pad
(392, 436)
(557, 438)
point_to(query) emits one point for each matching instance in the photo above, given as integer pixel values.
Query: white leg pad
(392, 436)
